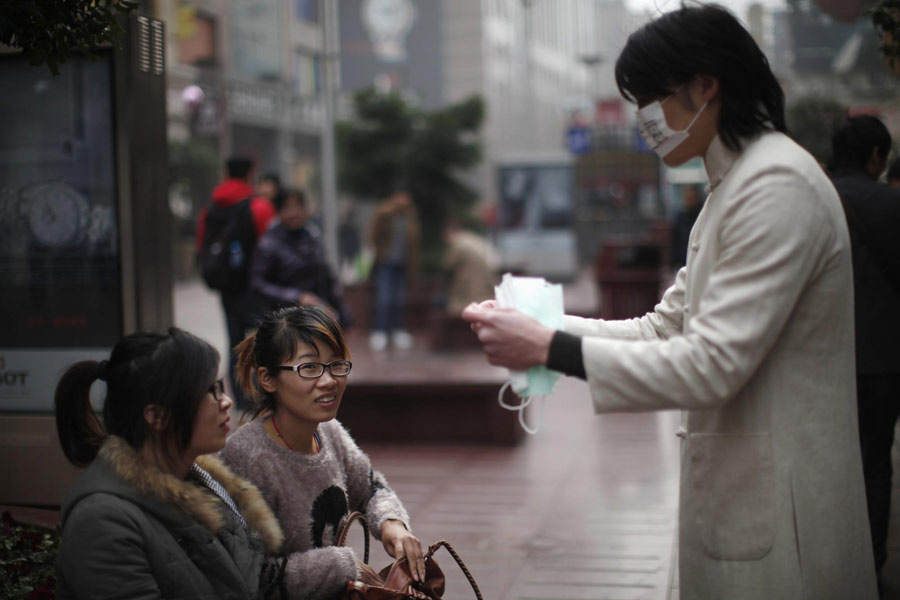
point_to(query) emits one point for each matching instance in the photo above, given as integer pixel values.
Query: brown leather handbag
(395, 581)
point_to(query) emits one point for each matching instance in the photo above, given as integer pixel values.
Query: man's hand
(510, 338)
(399, 542)
(310, 299)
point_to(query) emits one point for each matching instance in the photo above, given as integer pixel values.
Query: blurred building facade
(257, 66)
(244, 78)
(536, 63)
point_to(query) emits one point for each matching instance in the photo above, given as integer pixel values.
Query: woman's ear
(265, 379)
(156, 417)
(877, 164)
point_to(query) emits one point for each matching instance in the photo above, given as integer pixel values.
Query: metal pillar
(330, 63)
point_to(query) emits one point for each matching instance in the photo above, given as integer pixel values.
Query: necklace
(289, 447)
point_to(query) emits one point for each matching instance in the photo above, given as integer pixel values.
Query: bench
(425, 396)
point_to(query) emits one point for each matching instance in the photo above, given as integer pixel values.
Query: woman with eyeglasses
(154, 515)
(309, 469)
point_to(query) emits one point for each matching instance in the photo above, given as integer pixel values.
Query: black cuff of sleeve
(565, 354)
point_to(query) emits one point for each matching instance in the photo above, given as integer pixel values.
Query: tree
(49, 31)
(812, 121)
(846, 11)
(194, 170)
(392, 144)
(886, 18)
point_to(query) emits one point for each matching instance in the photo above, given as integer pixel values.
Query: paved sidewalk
(586, 508)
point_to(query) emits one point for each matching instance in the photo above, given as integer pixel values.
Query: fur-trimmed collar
(204, 508)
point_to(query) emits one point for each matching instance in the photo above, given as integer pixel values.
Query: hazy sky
(738, 7)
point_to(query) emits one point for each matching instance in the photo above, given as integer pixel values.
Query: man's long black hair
(704, 39)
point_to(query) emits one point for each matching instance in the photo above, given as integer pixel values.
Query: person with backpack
(860, 149)
(227, 232)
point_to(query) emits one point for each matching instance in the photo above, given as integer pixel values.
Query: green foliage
(812, 121)
(49, 31)
(886, 18)
(27, 556)
(372, 149)
(194, 170)
(391, 144)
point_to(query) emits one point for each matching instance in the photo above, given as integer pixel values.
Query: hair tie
(102, 368)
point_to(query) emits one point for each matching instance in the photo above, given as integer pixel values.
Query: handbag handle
(358, 516)
(436, 546)
(342, 536)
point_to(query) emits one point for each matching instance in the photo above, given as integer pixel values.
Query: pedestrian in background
(472, 266)
(154, 515)
(289, 265)
(231, 226)
(754, 341)
(860, 149)
(691, 203)
(394, 234)
(268, 186)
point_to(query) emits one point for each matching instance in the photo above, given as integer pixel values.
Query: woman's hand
(310, 299)
(399, 542)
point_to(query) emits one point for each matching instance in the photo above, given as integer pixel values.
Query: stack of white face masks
(536, 298)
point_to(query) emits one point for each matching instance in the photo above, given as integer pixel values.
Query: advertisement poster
(60, 289)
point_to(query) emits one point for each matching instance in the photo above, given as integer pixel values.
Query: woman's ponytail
(243, 369)
(80, 431)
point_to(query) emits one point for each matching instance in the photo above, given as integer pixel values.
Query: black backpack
(227, 250)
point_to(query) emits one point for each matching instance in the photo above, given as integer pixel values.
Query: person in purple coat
(289, 265)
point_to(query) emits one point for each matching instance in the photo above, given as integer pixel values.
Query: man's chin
(674, 160)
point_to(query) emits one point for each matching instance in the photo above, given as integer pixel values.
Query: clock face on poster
(388, 22)
(56, 213)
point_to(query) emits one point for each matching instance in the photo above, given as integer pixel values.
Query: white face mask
(656, 133)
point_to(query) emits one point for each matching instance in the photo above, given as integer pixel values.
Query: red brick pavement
(584, 509)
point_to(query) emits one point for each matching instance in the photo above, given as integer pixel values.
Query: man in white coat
(754, 340)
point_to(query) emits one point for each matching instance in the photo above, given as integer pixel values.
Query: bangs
(649, 53)
(306, 326)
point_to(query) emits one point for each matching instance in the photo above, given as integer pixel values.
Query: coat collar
(190, 499)
(719, 160)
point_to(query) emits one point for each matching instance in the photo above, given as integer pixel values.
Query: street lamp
(592, 62)
(528, 127)
(330, 64)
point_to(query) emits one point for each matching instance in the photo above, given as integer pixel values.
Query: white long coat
(755, 341)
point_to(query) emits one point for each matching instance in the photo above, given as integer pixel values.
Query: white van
(535, 230)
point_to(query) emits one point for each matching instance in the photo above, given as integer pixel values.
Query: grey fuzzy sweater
(311, 495)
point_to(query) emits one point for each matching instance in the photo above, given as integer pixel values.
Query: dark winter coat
(229, 193)
(875, 263)
(289, 262)
(131, 531)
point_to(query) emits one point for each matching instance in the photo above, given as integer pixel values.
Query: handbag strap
(358, 516)
(342, 536)
(436, 546)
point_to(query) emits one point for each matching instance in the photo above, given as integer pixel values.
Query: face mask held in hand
(536, 298)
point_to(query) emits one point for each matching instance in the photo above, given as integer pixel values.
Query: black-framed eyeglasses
(218, 389)
(314, 370)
